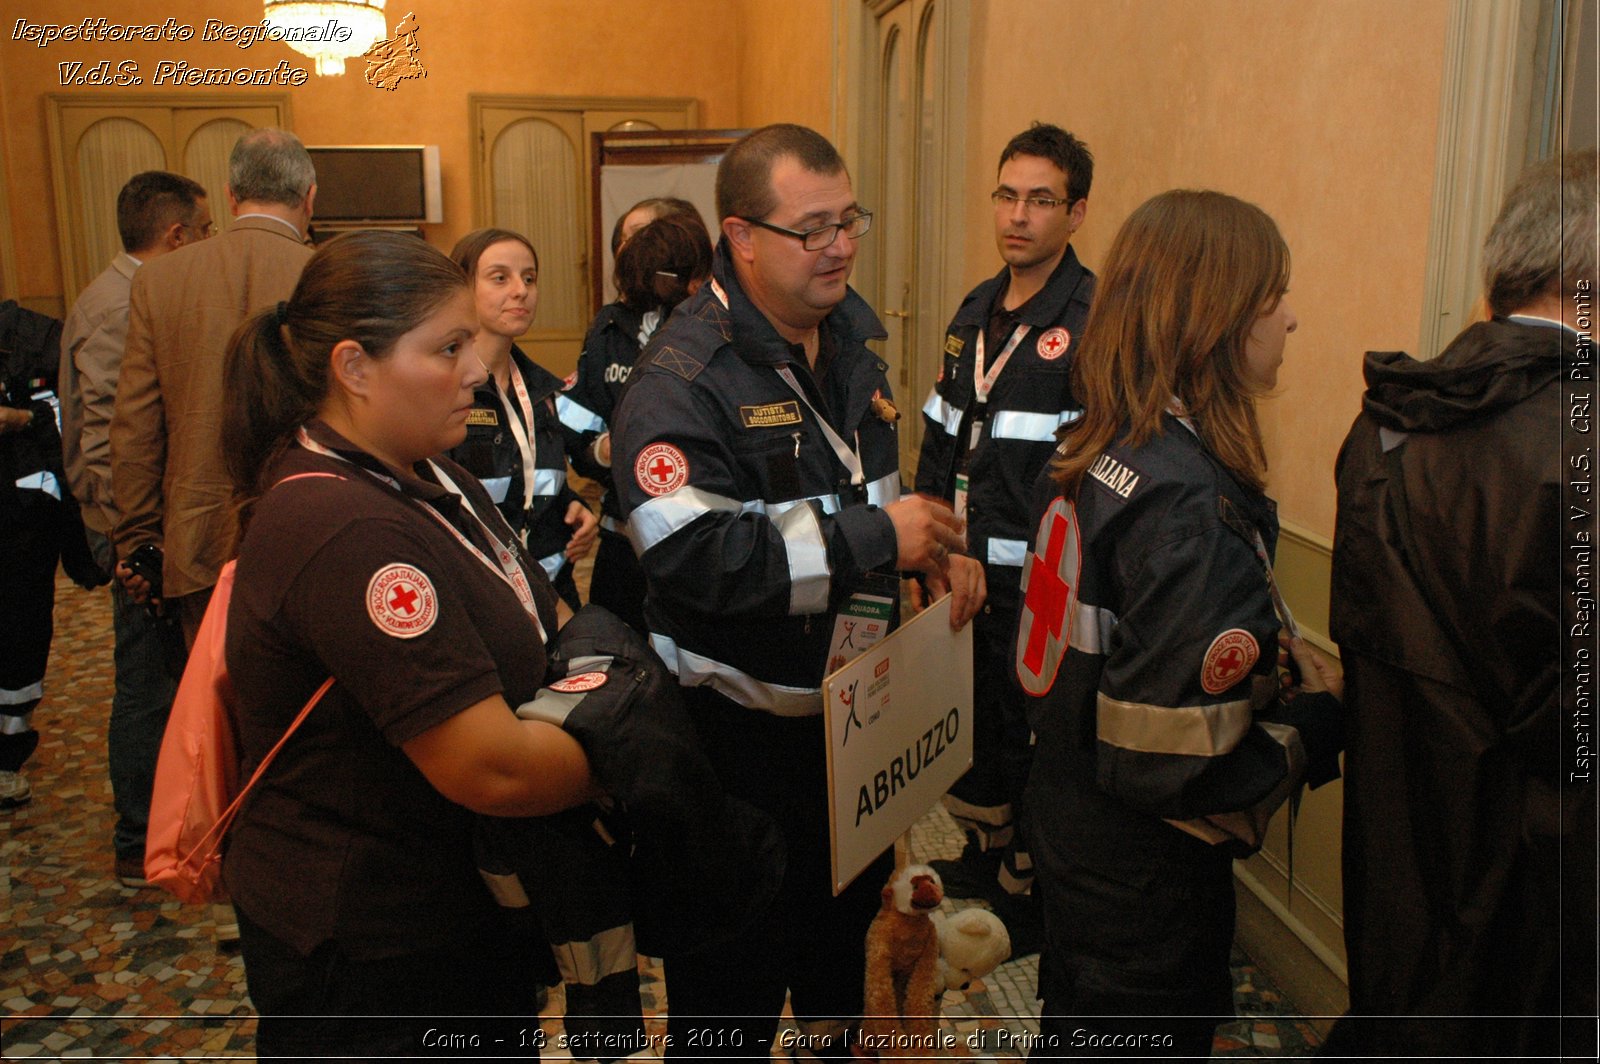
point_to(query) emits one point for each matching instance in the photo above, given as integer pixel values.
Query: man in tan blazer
(167, 476)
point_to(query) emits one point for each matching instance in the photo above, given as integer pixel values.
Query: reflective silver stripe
(576, 417)
(942, 412)
(1199, 731)
(552, 564)
(548, 481)
(808, 559)
(612, 524)
(497, 488)
(694, 670)
(45, 482)
(660, 518)
(1020, 425)
(506, 889)
(552, 707)
(17, 723)
(1007, 551)
(586, 963)
(883, 491)
(664, 515)
(1091, 629)
(31, 693)
(55, 404)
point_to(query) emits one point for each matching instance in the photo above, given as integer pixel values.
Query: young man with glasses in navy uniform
(756, 460)
(990, 425)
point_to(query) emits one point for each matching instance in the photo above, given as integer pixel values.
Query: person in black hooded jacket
(1468, 837)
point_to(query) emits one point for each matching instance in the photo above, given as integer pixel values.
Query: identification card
(859, 625)
(961, 497)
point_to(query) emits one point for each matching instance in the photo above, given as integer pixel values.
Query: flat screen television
(385, 183)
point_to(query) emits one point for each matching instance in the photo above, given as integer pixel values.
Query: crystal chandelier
(303, 22)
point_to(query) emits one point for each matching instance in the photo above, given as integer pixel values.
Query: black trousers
(810, 945)
(472, 1000)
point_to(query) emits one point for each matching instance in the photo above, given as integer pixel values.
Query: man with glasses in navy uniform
(755, 458)
(990, 425)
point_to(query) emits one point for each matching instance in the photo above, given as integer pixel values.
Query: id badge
(864, 619)
(961, 497)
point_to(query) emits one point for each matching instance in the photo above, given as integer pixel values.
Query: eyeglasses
(1008, 199)
(822, 236)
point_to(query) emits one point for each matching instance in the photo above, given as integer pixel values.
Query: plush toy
(903, 983)
(972, 943)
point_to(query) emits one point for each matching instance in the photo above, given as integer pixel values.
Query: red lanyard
(508, 569)
(523, 432)
(983, 382)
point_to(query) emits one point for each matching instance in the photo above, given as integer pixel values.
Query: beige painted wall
(555, 47)
(786, 57)
(1324, 112)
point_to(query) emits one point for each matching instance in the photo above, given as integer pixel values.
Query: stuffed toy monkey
(904, 980)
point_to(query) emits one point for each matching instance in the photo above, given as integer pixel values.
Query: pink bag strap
(220, 829)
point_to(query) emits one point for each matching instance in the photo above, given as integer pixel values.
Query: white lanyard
(508, 569)
(847, 457)
(983, 382)
(525, 445)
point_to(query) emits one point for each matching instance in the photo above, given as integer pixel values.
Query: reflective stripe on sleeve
(942, 412)
(607, 953)
(45, 482)
(883, 491)
(1022, 425)
(548, 481)
(1007, 551)
(497, 488)
(1199, 731)
(577, 417)
(553, 707)
(808, 559)
(664, 515)
(695, 670)
(1092, 628)
(661, 517)
(611, 524)
(552, 564)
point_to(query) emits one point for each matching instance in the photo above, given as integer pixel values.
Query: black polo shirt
(344, 838)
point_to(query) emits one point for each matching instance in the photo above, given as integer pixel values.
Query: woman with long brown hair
(1149, 635)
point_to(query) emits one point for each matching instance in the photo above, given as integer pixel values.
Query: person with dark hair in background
(666, 262)
(1149, 634)
(365, 556)
(522, 427)
(646, 211)
(157, 212)
(757, 463)
(1469, 841)
(167, 479)
(990, 425)
(39, 526)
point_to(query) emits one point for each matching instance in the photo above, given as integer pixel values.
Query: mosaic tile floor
(92, 970)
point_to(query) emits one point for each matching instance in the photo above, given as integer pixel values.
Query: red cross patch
(1050, 597)
(584, 681)
(401, 602)
(571, 379)
(1229, 659)
(661, 468)
(1054, 343)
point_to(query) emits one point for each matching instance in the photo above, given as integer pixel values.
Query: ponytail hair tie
(283, 312)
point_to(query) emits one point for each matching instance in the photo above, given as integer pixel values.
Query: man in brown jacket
(167, 476)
